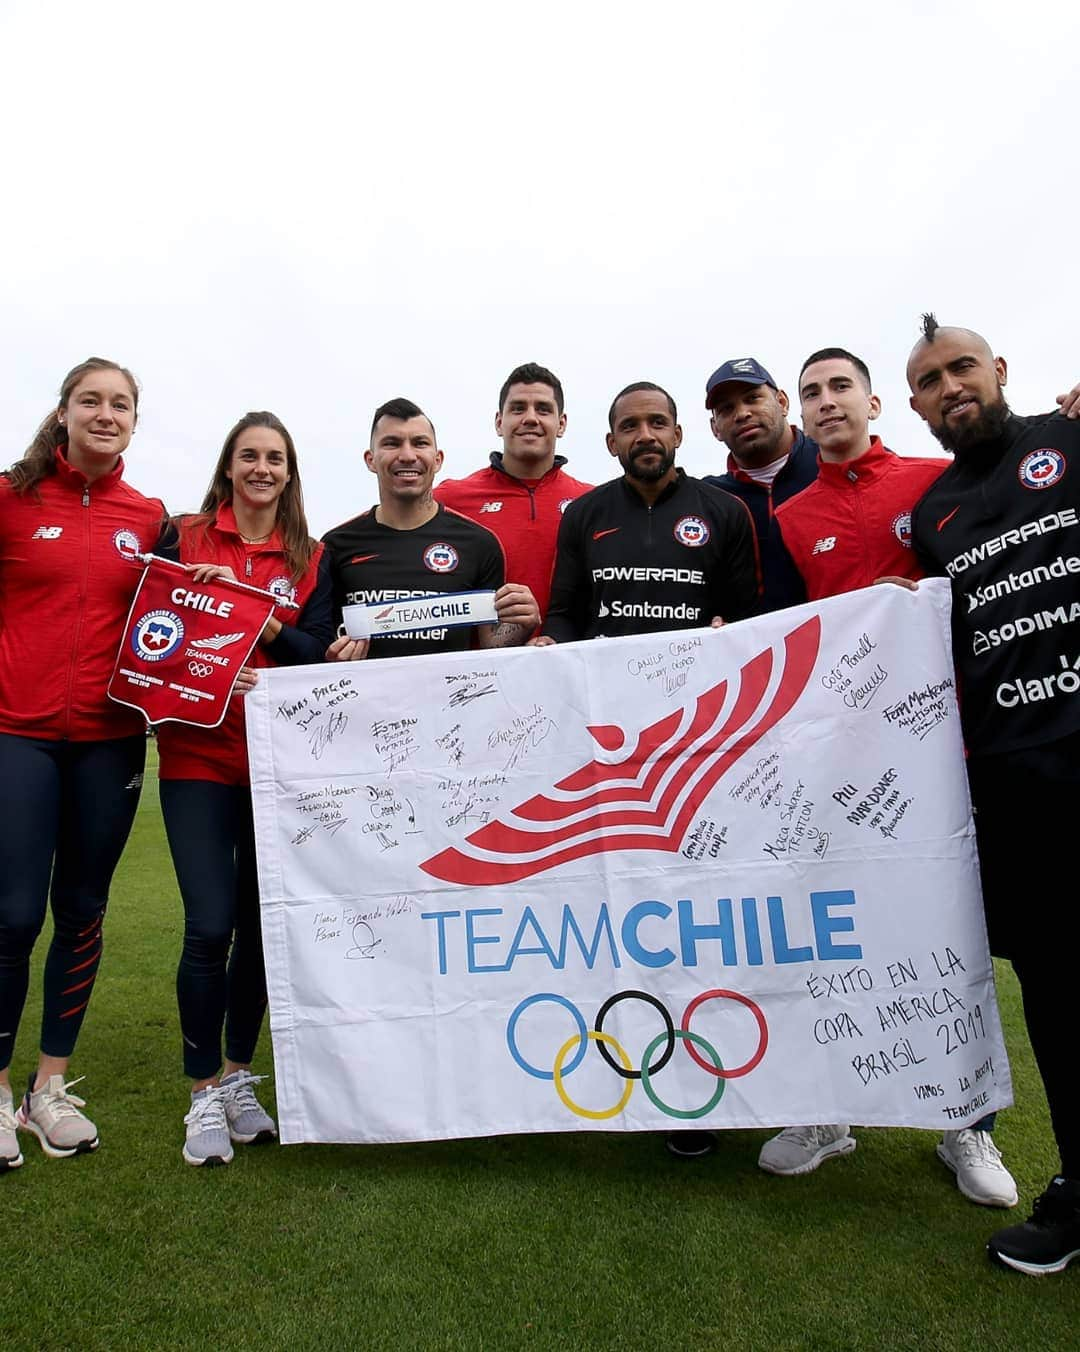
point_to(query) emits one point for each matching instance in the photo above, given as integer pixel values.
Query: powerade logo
(1045, 525)
(623, 573)
(646, 791)
(157, 634)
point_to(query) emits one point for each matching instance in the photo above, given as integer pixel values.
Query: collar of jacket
(75, 479)
(225, 521)
(797, 446)
(496, 459)
(668, 492)
(871, 465)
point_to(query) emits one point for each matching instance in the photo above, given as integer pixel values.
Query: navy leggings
(220, 982)
(66, 810)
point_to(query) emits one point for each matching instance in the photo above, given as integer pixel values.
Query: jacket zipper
(81, 612)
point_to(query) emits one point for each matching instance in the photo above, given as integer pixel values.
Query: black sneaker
(1049, 1239)
(691, 1145)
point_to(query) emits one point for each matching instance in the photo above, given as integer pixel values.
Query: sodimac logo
(648, 798)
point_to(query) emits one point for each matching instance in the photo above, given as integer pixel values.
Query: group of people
(799, 514)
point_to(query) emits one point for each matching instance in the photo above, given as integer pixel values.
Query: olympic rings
(592, 1113)
(578, 1043)
(669, 1033)
(685, 1113)
(763, 1032)
(199, 668)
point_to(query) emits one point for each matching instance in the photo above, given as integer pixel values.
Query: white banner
(711, 878)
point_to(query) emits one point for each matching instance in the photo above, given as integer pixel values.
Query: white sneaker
(249, 1122)
(10, 1154)
(799, 1150)
(976, 1161)
(207, 1139)
(53, 1114)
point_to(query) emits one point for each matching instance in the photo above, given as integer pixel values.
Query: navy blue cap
(745, 370)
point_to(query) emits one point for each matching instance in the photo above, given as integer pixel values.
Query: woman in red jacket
(251, 528)
(71, 761)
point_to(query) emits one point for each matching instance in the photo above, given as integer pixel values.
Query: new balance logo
(823, 546)
(491, 507)
(48, 533)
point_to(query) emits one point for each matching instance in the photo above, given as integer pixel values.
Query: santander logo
(647, 797)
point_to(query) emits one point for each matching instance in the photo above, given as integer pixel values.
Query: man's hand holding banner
(185, 643)
(720, 877)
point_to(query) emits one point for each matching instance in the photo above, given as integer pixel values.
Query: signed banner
(184, 644)
(719, 877)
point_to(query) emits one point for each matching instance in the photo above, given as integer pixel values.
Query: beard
(649, 474)
(986, 427)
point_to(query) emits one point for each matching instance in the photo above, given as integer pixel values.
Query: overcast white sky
(312, 208)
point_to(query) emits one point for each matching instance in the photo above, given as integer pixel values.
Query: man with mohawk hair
(1003, 523)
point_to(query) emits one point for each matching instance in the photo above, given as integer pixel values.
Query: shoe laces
(241, 1090)
(208, 1110)
(1052, 1208)
(978, 1148)
(800, 1135)
(60, 1102)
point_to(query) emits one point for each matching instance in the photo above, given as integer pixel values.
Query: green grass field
(568, 1241)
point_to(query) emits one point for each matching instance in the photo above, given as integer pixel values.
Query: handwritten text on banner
(724, 878)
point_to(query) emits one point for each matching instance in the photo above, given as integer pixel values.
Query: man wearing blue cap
(769, 461)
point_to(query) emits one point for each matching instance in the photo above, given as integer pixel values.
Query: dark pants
(66, 810)
(220, 983)
(1027, 809)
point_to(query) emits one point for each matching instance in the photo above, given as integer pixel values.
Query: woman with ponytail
(251, 528)
(71, 761)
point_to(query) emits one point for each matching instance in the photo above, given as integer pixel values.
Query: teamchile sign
(184, 644)
(718, 877)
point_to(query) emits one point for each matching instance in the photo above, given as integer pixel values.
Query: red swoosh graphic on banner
(702, 768)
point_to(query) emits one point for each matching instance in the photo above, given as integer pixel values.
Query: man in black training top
(650, 551)
(407, 546)
(1003, 523)
(654, 549)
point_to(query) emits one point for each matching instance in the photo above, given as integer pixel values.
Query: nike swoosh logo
(946, 519)
(363, 558)
(599, 534)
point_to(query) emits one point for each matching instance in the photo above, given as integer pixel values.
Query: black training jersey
(623, 567)
(1000, 523)
(372, 563)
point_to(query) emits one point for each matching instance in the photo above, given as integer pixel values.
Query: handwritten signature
(467, 694)
(321, 737)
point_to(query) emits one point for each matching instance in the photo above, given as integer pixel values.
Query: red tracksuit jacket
(68, 572)
(523, 513)
(852, 525)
